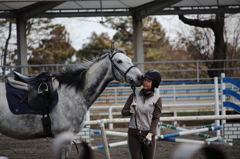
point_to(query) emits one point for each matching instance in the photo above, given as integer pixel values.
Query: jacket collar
(142, 94)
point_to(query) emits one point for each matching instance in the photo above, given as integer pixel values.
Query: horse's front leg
(66, 150)
(61, 145)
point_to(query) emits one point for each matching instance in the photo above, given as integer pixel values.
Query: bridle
(119, 70)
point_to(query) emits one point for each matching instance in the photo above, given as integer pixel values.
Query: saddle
(40, 92)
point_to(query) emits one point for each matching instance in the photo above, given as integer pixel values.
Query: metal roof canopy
(93, 8)
(23, 10)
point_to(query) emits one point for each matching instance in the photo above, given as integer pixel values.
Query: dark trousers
(137, 148)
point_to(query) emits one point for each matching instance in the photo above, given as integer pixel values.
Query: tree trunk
(219, 46)
(6, 47)
(219, 53)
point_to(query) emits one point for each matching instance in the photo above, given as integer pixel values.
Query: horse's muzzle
(138, 82)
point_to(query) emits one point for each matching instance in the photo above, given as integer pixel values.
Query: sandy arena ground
(40, 149)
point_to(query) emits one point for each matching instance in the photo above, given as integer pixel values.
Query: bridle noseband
(119, 70)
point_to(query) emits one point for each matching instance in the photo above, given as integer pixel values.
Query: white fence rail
(176, 98)
(111, 111)
(171, 94)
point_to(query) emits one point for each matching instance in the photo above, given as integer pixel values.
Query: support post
(138, 43)
(22, 45)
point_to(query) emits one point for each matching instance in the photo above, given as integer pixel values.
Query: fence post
(223, 97)
(216, 110)
(115, 96)
(174, 94)
(198, 71)
(158, 91)
(110, 116)
(175, 115)
(104, 138)
(88, 115)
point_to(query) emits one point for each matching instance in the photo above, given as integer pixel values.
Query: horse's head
(123, 68)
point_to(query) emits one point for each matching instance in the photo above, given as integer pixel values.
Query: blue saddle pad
(14, 96)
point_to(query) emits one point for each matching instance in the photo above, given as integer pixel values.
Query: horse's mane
(74, 76)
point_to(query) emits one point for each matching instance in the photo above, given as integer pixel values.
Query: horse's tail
(65, 138)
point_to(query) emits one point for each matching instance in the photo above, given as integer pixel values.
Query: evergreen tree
(95, 47)
(155, 43)
(36, 30)
(54, 50)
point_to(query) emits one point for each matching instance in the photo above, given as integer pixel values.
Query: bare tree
(7, 52)
(232, 35)
(216, 24)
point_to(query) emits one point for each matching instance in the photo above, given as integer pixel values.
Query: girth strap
(47, 128)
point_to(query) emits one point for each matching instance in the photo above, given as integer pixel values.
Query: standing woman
(145, 109)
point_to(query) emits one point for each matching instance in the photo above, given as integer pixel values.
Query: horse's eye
(119, 61)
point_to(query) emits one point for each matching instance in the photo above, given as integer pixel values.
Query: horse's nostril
(140, 77)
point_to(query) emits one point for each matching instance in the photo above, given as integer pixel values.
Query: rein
(119, 70)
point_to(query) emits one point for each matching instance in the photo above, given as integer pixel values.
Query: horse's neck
(97, 78)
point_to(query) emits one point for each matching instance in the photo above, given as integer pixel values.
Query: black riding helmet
(155, 76)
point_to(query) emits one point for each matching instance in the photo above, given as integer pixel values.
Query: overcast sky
(82, 28)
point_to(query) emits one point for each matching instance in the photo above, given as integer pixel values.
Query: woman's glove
(149, 137)
(133, 107)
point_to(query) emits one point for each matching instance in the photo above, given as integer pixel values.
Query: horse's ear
(112, 47)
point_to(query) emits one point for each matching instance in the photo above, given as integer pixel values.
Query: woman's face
(147, 83)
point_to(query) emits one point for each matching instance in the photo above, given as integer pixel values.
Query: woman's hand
(149, 137)
(133, 107)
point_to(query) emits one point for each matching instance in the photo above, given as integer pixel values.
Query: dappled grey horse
(79, 88)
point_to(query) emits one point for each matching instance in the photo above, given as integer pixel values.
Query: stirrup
(45, 90)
